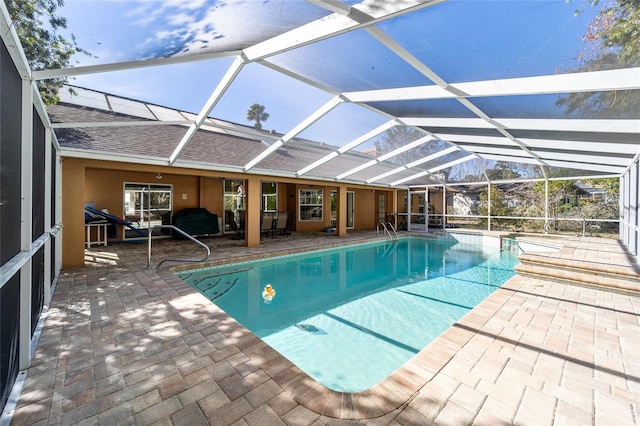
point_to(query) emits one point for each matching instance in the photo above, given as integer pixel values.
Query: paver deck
(123, 344)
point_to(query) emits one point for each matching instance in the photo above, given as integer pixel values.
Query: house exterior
(97, 169)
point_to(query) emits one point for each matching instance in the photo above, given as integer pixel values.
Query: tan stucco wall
(72, 212)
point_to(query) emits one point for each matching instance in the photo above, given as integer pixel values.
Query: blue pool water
(349, 317)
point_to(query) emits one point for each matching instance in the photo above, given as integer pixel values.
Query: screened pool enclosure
(488, 106)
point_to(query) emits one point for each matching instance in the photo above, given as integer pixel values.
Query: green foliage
(615, 32)
(564, 208)
(612, 41)
(559, 190)
(256, 113)
(37, 26)
(498, 205)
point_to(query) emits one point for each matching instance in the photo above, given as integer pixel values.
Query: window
(382, 208)
(311, 202)
(146, 205)
(269, 196)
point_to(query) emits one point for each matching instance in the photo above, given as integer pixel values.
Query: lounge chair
(91, 214)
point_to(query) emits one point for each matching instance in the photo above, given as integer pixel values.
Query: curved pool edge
(396, 391)
(402, 386)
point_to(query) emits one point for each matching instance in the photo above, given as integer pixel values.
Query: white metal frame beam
(386, 156)
(347, 147)
(319, 113)
(435, 169)
(594, 81)
(414, 163)
(364, 16)
(217, 94)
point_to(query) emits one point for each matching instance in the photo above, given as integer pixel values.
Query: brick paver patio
(123, 344)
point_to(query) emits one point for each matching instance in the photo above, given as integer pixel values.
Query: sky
(459, 40)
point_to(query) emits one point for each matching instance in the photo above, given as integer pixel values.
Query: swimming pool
(351, 316)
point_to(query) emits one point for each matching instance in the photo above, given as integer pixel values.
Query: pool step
(546, 265)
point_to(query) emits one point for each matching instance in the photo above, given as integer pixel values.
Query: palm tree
(256, 113)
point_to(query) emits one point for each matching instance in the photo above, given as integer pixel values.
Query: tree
(498, 205)
(612, 41)
(399, 136)
(37, 26)
(470, 171)
(559, 193)
(502, 171)
(256, 113)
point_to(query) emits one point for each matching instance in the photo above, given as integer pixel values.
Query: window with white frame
(269, 196)
(310, 204)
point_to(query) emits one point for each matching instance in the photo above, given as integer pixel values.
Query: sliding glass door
(145, 206)
(350, 209)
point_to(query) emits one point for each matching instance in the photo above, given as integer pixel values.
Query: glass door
(145, 206)
(417, 215)
(350, 209)
(234, 204)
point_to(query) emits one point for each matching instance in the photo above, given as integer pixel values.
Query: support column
(48, 220)
(73, 176)
(26, 226)
(342, 211)
(444, 207)
(489, 207)
(427, 214)
(253, 213)
(394, 207)
(546, 203)
(58, 212)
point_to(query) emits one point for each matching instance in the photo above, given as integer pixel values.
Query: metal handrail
(384, 227)
(392, 228)
(175, 260)
(386, 230)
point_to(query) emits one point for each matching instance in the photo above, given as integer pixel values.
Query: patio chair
(280, 227)
(233, 225)
(267, 223)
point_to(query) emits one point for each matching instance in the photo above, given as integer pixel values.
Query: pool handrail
(386, 230)
(392, 228)
(174, 228)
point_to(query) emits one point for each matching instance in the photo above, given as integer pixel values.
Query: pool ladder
(385, 228)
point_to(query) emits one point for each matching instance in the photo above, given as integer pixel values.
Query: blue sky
(460, 40)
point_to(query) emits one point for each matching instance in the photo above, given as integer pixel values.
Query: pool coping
(388, 395)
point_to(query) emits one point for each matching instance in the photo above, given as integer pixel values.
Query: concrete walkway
(123, 344)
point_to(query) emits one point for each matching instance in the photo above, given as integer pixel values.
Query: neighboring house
(592, 192)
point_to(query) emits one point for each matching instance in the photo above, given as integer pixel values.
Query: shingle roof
(122, 134)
